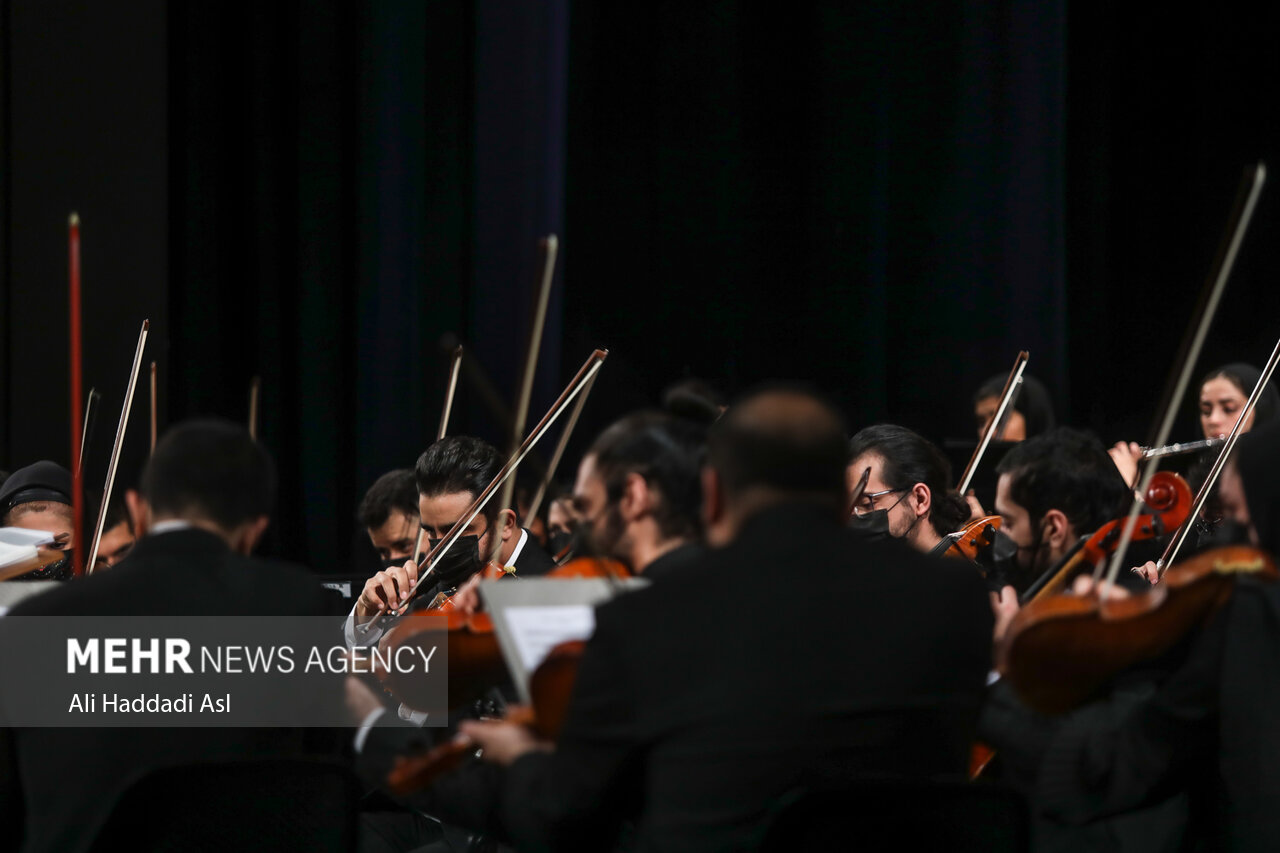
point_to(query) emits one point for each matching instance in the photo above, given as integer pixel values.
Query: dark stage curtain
(321, 220)
(864, 196)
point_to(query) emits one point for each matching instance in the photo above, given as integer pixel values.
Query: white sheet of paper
(22, 536)
(538, 629)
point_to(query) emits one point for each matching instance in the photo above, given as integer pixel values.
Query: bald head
(783, 444)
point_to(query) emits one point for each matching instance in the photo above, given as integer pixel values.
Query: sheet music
(538, 629)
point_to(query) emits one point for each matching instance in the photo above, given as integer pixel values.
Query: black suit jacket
(64, 781)
(797, 656)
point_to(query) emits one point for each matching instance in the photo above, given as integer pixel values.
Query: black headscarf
(1257, 458)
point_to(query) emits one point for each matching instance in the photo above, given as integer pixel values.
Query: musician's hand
(467, 599)
(1149, 571)
(502, 742)
(1083, 585)
(1127, 455)
(388, 588)
(975, 506)
(1004, 604)
(360, 700)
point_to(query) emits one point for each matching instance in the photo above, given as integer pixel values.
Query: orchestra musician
(1031, 411)
(908, 495)
(693, 714)
(389, 514)
(1212, 727)
(38, 497)
(1223, 392)
(204, 502)
(638, 493)
(450, 475)
(1054, 490)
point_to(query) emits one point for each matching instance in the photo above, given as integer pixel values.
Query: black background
(885, 202)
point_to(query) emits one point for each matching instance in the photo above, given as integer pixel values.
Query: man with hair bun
(638, 494)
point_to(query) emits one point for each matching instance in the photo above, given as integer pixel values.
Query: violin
(970, 542)
(1060, 651)
(550, 688)
(974, 539)
(1168, 498)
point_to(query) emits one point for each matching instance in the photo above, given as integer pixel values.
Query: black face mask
(872, 527)
(59, 571)
(459, 563)
(999, 563)
(394, 562)
(561, 542)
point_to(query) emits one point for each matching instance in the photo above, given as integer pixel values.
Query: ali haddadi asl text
(114, 703)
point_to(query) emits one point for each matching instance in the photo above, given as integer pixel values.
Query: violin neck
(1053, 581)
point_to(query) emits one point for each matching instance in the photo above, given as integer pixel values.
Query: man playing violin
(907, 495)
(1053, 490)
(638, 492)
(450, 475)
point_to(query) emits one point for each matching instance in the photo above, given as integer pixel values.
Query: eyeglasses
(867, 503)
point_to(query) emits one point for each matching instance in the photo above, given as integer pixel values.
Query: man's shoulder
(183, 580)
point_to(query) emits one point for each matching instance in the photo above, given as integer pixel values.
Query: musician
(203, 505)
(562, 522)
(907, 495)
(38, 497)
(1053, 490)
(1030, 413)
(693, 714)
(1213, 726)
(389, 514)
(450, 475)
(638, 492)
(1223, 393)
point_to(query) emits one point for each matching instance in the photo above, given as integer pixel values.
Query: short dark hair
(212, 470)
(668, 453)
(459, 463)
(785, 440)
(1031, 400)
(1068, 470)
(910, 458)
(395, 490)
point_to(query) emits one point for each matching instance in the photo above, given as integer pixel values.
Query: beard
(605, 537)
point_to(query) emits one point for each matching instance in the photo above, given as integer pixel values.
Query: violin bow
(77, 390)
(255, 391)
(561, 444)
(858, 490)
(428, 564)
(1192, 343)
(1011, 386)
(1175, 544)
(119, 443)
(153, 408)
(455, 365)
(548, 247)
(91, 404)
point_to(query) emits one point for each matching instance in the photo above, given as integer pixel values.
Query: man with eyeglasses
(906, 495)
